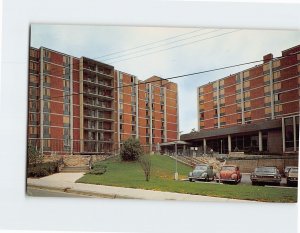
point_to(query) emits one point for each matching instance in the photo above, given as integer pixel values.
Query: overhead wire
(113, 62)
(174, 77)
(58, 68)
(172, 42)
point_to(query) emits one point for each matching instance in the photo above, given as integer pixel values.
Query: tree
(145, 161)
(34, 157)
(131, 150)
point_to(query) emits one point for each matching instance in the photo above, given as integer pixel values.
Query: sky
(167, 52)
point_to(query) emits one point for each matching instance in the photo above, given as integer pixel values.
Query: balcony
(93, 128)
(101, 73)
(99, 117)
(94, 93)
(98, 105)
(103, 84)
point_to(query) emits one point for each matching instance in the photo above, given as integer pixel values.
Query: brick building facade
(253, 110)
(79, 105)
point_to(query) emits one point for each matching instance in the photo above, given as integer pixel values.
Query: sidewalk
(65, 182)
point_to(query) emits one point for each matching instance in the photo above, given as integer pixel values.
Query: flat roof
(236, 129)
(173, 143)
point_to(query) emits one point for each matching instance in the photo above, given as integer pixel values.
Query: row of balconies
(94, 81)
(106, 72)
(98, 92)
(97, 114)
(98, 104)
(94, 127)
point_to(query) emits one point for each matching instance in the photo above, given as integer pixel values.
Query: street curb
(80, 192)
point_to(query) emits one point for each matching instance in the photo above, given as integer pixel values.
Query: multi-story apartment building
(145, 109)
(253, 110)
(79, 105)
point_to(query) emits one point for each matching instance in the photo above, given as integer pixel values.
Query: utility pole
(176, 154)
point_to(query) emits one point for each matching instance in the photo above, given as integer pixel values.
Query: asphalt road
(36, 192)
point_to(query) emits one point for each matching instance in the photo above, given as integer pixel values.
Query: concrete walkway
(65, 182)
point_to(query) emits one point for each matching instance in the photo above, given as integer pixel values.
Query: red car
(230, 173)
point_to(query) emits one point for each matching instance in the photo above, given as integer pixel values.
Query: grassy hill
(130, 175)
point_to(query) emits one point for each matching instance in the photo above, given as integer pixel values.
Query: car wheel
(191, 180)
(254, 183)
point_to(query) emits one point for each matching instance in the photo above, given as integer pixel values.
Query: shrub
(37, 172)
(131, 150)
(98, 169)
(42, 169)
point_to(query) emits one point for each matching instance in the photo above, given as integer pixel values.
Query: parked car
(286, 170)
(292, 177)
(202, 172)
(230, 173)
(265, 175)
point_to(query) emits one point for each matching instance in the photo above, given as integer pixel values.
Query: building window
(66, 60)
(46, 143)
(247, 106)
(46, 130)
(277, 87)
(32, 130)
(278, 109)
(267, 79)
(46, 92)
(46, 80)
(46, 119)
(46, 106)
(277, 98)
(66, 109)
(33, 79)
(289, 134)
(33, 67)
(246, 85)
(246, 95)
(66, 83)
(276, 63)
(267, 100)
(276, 75)
(216, 113)
(268, 111)
(267, 90)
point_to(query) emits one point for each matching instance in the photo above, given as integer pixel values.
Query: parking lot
(246, 180)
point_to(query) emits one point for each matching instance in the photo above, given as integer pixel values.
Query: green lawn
(130, 174)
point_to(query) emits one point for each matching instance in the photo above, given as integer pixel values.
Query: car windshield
(266, 169)
(293, 170)
(201, 167)
(228, 168)
(287, 169)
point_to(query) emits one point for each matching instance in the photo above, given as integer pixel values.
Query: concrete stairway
(76, 163)
(193, 161)
(69, 169)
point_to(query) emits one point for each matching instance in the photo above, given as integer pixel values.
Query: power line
(172, 42)
(208, 38)
(57, 68)
(175, 77)
(169, 38)
(155, 42)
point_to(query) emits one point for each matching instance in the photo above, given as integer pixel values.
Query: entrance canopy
(236, 129)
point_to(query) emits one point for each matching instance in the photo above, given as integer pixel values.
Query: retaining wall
(248, 165)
